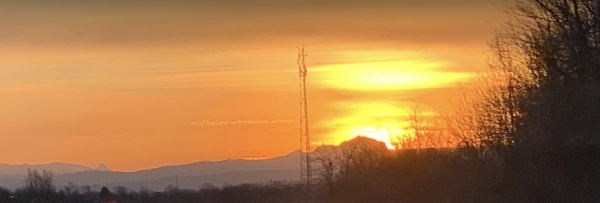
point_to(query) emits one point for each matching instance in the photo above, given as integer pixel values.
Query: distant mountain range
(190, 176)
(56, 168)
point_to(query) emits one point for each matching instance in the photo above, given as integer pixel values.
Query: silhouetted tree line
(527, 130)
(39, 189)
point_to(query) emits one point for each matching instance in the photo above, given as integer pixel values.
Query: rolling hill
(191, 176)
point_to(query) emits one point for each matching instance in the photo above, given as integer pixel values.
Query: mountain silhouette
(191, 176)
(55, 168)
(102, 167)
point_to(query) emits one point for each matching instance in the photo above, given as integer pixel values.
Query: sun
(377, 120)
(385, 135)
(390, 73)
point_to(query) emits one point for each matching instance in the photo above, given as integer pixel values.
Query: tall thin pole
(305, 172)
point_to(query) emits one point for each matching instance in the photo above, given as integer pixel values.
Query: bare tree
(487, 114)
(36, 181)
(329, 158)
(360, 155)
(422, 132)
(38, 187)
(350, 159)
(540, 95)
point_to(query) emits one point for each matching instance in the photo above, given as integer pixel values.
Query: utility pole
(305, 173)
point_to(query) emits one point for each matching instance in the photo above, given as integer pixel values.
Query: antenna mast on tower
(305, 172)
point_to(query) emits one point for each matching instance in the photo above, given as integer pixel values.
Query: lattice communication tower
(305, 172)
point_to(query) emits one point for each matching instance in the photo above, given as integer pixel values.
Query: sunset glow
(137, 86)
(387, 75)
(332, 101)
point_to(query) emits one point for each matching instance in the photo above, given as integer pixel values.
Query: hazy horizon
(142, 85)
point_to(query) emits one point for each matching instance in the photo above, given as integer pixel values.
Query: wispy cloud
(102, 136)
(235, 122)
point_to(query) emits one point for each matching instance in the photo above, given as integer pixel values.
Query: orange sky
(137, 85)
